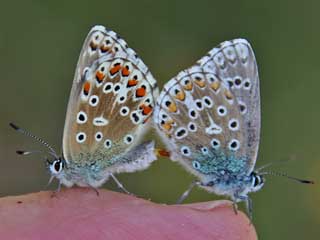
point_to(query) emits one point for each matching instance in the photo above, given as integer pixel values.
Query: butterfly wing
(111, 100)
(235, 64)
(199, 116)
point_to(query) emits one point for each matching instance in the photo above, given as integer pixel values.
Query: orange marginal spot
(86, 88)
(140, 92)
(180, 95)
(93, 46)
(162, 152)
(115, 69)
(228, 94)
(188, 86)
(104, 48)
(172, 107)
(99, 76)
(125, 72)
(132, 83)
(201, 83)
(167, 125)
(215, 85)
(146, 110)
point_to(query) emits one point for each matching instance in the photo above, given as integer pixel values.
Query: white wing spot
(98, 136)
(207, 102)
(193, 114)
(192, 127)
(81, 137)
(196, 165)
(233, 124)
(222, 111)
(100, 121)
(82, 117)
(124, 111)
(181, 133)
(128, 139)
(94, 100)
(213, 128)
(204, 150)
(215, 143)
(199, 104)
(185, 151)
(234, 145)
(108, 87)
(107, 143)
(247, 84)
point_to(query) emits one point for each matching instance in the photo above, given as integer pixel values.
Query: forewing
(235, 64)
(111, 100)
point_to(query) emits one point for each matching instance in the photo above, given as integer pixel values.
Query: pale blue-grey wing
(235, 64)
(111, 100)
(200, 121)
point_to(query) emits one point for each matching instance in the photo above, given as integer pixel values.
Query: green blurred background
(40, 42)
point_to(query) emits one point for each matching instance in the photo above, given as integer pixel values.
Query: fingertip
(80, 212)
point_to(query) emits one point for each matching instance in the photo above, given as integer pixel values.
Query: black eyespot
(102, 69)
(129, 138)
(107, 87)
(93, 100)
(193, 113)
(117, 88)
(181, 133)
(124, 110)
(80, 137)
(221, 110)
(167, 103)
(81, 117)
(234, 144)
(122, 98)
(191, 126)
(247, 84)
(237, 81)
(199, 104)
(242, 108)
(233, 124)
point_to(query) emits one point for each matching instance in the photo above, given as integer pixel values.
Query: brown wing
(111, 99)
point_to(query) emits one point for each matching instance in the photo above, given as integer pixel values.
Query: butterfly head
(56, 166)
(257, 182)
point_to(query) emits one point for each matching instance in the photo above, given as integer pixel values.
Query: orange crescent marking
(125, 72)
(115, 69)
(104, 49)
(132, 82)
(140, 92)
(146, 110)
(99, 76)
(86, 88)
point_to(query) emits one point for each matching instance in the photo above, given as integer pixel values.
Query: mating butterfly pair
(208, 116)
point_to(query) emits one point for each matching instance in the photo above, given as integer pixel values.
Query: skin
(78, 213)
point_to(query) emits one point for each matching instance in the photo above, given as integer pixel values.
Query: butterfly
(209, 118)
(111, 101)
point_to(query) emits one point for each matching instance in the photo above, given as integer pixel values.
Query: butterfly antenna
(38, 139)
(287, 176)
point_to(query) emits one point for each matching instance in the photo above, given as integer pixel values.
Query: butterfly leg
(119, 184)
(187, 192)
(248, 203)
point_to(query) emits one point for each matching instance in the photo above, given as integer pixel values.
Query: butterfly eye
(196, 165)
(56, 167)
